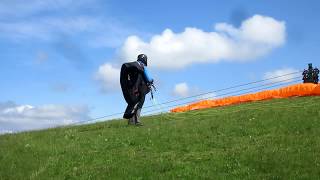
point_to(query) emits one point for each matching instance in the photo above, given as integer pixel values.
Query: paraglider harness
(134, 87)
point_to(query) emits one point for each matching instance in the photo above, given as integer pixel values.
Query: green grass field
(276, 139)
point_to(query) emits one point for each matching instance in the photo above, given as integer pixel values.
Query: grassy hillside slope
(276, 139)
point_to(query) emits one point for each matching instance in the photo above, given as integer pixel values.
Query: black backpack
(132, 82)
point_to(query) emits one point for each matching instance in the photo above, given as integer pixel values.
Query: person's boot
(132, 120)
(137, 119)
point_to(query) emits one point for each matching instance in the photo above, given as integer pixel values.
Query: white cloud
(47, 28)
(184, 90)
(98, 31)
(181, 89)
(208, 96)
(109, 77)
(287, 75)
(15, 117)
(256, 37)
(18, 8)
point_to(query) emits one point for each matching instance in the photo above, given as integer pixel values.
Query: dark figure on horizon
(311, 75)
(135, 84)
(316, 75)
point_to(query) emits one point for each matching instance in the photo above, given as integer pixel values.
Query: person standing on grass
(316, 75)
(136, 83)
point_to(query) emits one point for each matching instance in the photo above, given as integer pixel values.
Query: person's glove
(151, 85)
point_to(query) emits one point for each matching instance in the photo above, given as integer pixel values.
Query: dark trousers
(133, 110)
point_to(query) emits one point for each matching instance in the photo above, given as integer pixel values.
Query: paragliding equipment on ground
(311, 75)
(295, 90)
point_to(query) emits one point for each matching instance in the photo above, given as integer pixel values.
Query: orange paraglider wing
(306, 89)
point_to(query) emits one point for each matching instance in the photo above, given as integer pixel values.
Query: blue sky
(61, 56)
